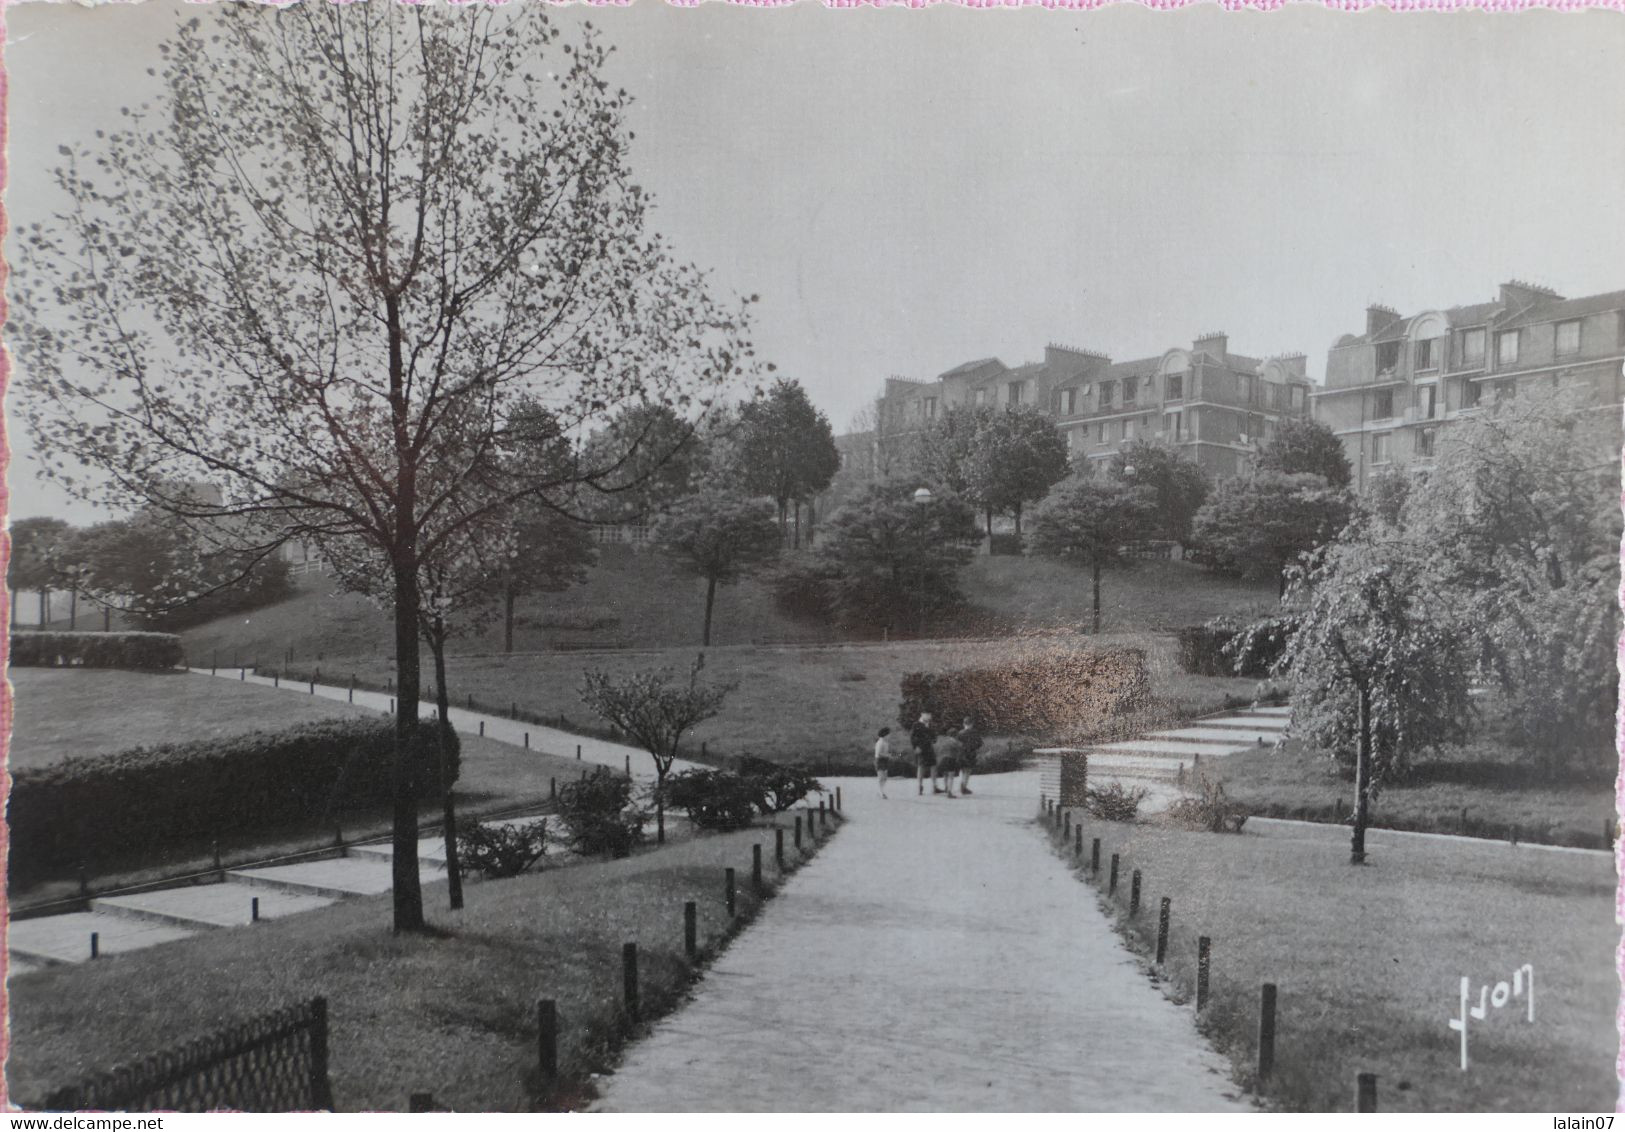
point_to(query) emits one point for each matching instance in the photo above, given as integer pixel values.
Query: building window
(1015, 392)
(1069, 401)
(1174, 387)
(1471, 391)
(1100, 432)
(1383, 405)
(1423, 355)
(1107, 388)
(1472, 347)
(1427, 402)
(1568, 337)
(1176, 426)
(1424, 443)
(981, 396)
(1131, 389)
(1244, 385)
(1128, 428)
(1380, 447)
(1506, 348)
(930, 408)
(1387, 356)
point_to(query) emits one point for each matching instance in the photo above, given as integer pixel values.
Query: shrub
(95, 650)
(1113, 803)
(1209, 810)
(499, 850)
(777, 787)
(1226, 646)
(1064, 693)
(713, 799)
(145, 798)
(599, 814)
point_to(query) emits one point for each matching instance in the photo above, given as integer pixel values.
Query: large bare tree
(345, 242)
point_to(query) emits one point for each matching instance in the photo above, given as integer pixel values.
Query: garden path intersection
(936, 956)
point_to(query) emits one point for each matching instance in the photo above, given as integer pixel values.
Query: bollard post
(254, 909)
(1266, 1031)
(1365, 1092)
(756, 867)
(242, 675)
(1112, 887)
(1162, 931)
(547, 1038)
(1066, 825)
(798, 833)
(578, 752)
(1094, 857)
(629, 979)
(276, 679)
(392, 705)
(629, 766)
(838, 804)
(1204, 963)
(728, 891)
(1134, 894)
(823, 817)
(95, 945)
(420, 1102)
(778, 848)
(552, 789)
(482, 729)
(527, 740)
(691, 930)
(1077, 842)
(313, 685)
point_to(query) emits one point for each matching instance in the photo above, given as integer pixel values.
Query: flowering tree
(324, 270)
(656, 710)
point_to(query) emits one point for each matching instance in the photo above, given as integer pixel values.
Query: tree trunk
(1280, 578)
(1018, 520)
(406, 884)
(990, 530)
(507, 619)
(660, 804)
(1097, 596)
(44, 607)
(448, 801)
(797, 542)
(107, 619)
(810, 523)
(73, 610)
(1362, 781)
(710, 601)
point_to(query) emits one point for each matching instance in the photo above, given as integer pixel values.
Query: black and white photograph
(704, 558)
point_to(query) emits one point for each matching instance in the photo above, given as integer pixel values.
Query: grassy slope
(1368, 961)
(149, 708)
(1448, 796)
(452, 1012)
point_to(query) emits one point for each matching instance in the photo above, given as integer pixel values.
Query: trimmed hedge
(139, 801)
(1063, 693)
(95, 650)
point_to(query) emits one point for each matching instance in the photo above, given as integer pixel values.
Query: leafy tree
(784, 449)
(1087, 522)
(944, 451)
(1179, 485)
(550, 551)
(1304, 446)
(1386, 493)
(1261, 524)
(719, 536)
(1016, 457)
(1380, 663)
(883, 555)
(653, 456)
(656, 710)
(323, 272)
(34, 547)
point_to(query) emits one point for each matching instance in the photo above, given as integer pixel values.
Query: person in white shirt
(883, 758)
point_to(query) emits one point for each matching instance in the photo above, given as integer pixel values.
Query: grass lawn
(182, 706)
(1456, 793)
(452, 1012)
(815, 705)
(1368, 961)
(66, 712)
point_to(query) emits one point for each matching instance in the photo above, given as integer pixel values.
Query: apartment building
(1213, 406)
(1389, 391)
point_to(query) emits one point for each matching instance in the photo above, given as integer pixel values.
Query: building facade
(1389, 391)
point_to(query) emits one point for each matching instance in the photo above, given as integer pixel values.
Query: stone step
(210, 905)
(1283, 711)
(1216, 735)
(336, 877)
(431, 852)
(1270, 723)
(66, 938)
(1174, 750)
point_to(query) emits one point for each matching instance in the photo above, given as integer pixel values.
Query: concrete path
(936, 956)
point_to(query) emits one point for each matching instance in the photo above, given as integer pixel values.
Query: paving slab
(66, 938)
(336, 877)
(1173, 750)
(1217, 735)
(209, 905)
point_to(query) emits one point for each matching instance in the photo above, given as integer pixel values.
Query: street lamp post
(922, 500)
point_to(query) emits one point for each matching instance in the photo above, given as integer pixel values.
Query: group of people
(956, 756)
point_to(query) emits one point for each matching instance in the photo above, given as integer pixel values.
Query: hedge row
(139, 801)
(95, 650)
(1056, 695)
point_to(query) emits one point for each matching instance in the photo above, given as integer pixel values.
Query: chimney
(1214, 342)
(1378, 316)
(1517, 294)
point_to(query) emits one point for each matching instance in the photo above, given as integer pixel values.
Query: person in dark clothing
(924, 741)
(970, 741)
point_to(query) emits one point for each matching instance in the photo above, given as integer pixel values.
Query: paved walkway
(936, 956)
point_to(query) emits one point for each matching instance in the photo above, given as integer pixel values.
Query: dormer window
(1131, 389)
(1568, 338)
(1387, 356)
(1174, 387)
(1422, 356)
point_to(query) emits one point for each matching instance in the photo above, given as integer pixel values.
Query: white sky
(907, 190)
